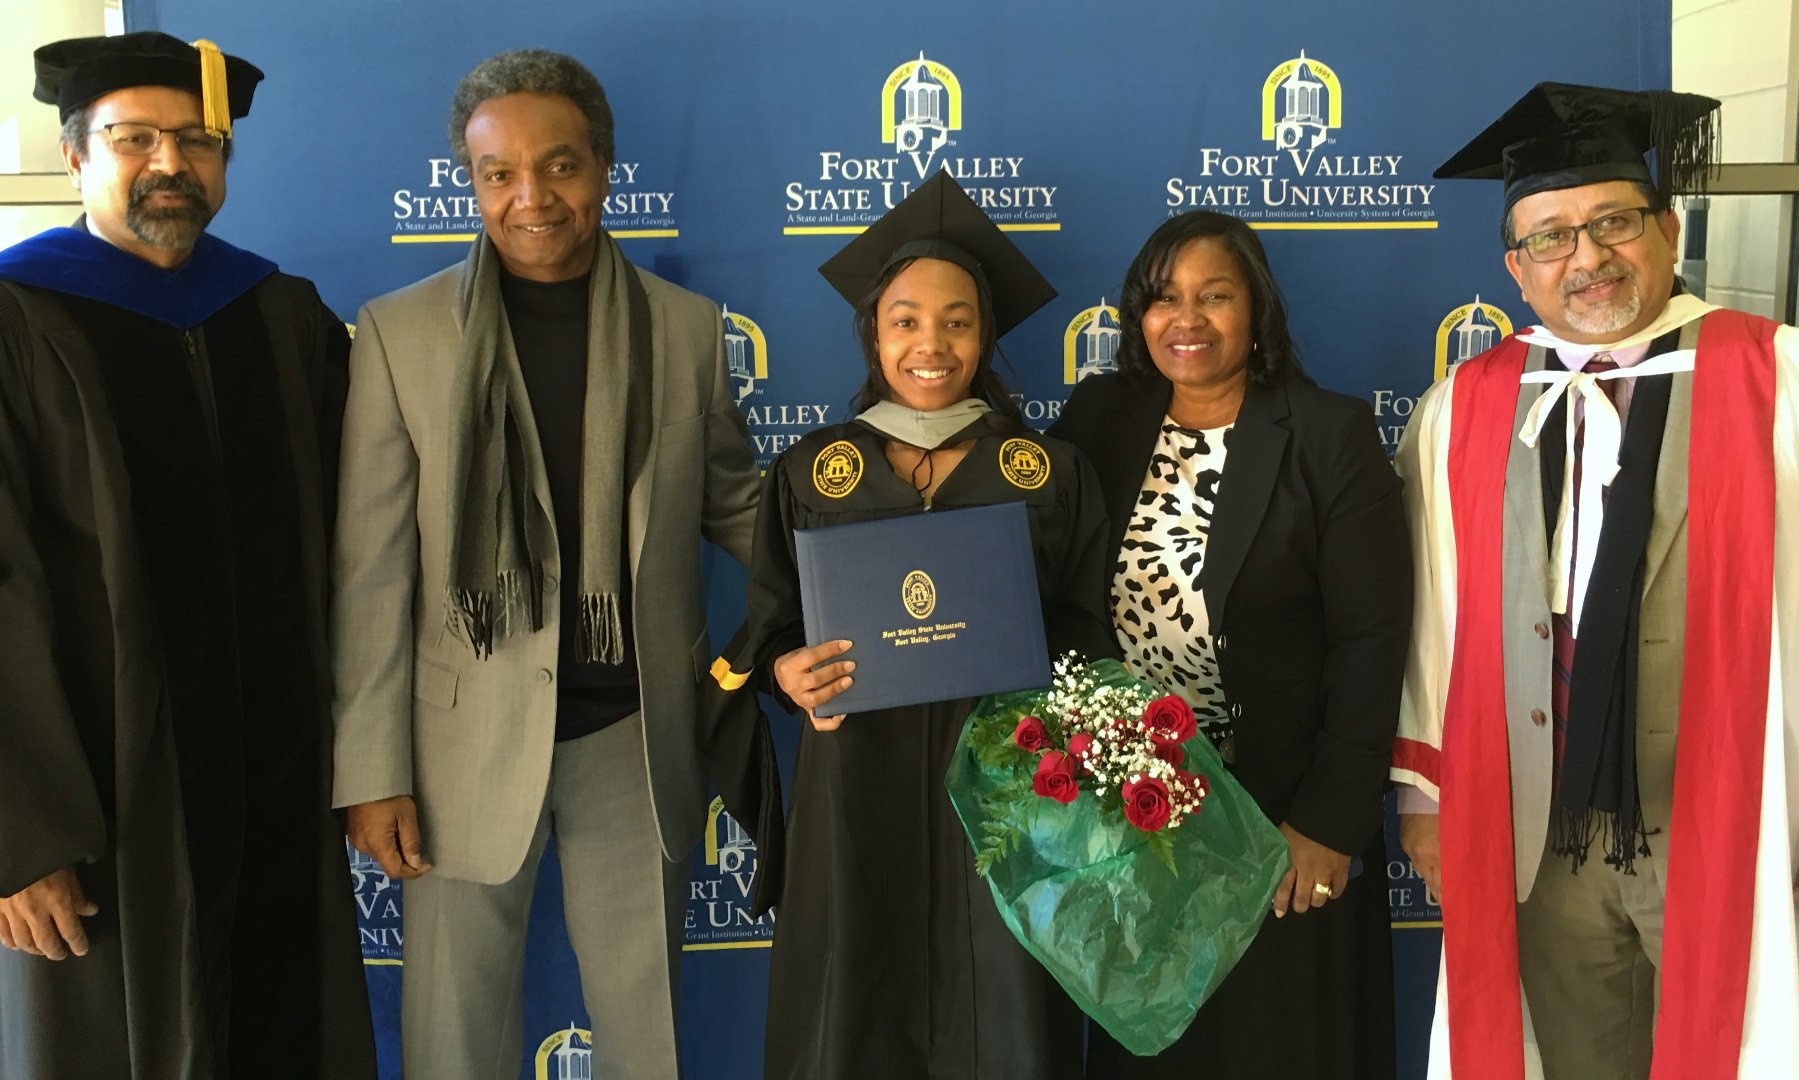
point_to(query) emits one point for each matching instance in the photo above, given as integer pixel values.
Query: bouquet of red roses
(1120, 851)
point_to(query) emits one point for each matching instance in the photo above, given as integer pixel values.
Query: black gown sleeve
(740, 758)
(330, 391)
(50, 809)
(774, 622)
(735, 734)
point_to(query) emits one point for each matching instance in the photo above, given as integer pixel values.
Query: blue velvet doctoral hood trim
(76, 262)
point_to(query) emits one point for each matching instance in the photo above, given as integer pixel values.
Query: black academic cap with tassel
(1559, 135)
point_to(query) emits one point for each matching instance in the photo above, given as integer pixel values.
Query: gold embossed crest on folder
(919, 593)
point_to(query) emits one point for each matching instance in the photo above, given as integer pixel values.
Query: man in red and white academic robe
(1600, 727)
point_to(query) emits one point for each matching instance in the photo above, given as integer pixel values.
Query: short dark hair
(532, 71)
(987, 384)
(1273, 357)
(1656, 201)
(75, 133)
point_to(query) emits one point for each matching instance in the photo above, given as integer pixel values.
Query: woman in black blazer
(1262, 571)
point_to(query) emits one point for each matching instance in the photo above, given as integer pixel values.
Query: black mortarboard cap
(1559, 135)
(75, 72)
(939, 221)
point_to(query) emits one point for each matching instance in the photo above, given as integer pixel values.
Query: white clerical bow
(1604, 435)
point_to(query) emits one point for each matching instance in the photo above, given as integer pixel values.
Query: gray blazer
(416, 712)
(1529, 645)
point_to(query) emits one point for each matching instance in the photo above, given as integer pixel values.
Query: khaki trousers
(1589, 946)
(462, 991)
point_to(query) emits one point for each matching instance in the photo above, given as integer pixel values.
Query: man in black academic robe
(174, 899)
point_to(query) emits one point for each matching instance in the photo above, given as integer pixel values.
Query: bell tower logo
(921, 103)
(1090, 344)
(1468, 331)
(1302, 103)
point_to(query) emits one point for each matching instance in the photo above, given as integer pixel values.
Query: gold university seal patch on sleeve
(1024, 464)
(836, 469)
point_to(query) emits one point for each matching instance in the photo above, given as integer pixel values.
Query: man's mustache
(171, 182)
(1604, 273)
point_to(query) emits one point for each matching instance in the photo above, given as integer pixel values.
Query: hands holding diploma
(809, 678)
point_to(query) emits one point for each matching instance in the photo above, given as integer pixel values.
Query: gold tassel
(215, 103)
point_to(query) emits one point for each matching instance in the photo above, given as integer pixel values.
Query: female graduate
(890, 958)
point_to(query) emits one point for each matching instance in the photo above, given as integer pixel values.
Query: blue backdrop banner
(753, 139)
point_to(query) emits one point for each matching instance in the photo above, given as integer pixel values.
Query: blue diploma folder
(938, 606)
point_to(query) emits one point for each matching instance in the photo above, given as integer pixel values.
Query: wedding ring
(1321, 889)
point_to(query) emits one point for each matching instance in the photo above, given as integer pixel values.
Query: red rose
(1170, 752)
(1030, 735)
(1081, 745)
(1055, 777)
(1145, 803)
(1169, 720)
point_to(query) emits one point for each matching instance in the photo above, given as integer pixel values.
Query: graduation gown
(167, 457)
(890, 958)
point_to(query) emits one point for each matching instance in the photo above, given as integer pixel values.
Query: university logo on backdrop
(1299, 174)
(921, 132)
(1302, 103)
(379, 910)
(566, 1054)
(718, 897)
(773, 428)
(438, 205)
(1468, 331)
(1090, 344)
(746, 354)
(1089, 347)
(921, 103)
(1464, 332)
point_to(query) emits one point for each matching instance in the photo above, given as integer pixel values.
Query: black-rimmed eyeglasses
(1610, 229)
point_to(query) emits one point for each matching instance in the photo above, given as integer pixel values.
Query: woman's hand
(809, 679)
(1314, 865)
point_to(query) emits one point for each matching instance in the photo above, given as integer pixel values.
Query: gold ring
(1321, 889)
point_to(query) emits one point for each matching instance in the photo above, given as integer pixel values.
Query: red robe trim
(1713, 833)
(1480, 917)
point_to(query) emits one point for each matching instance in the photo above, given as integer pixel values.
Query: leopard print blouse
(1158, 610)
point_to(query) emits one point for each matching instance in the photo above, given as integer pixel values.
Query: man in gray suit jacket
(535, 442)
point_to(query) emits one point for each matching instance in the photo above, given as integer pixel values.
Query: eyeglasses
(141, 140)
(1614, 228)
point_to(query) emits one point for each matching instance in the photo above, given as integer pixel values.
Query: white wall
(29, 128)
(1737, 51)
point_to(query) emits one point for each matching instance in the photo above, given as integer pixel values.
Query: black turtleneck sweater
(549, 332)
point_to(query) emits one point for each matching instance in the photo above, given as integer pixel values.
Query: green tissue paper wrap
(1138, 948)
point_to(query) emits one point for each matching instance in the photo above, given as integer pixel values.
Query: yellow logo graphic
(1301, 103)
(919, 593)
(1467, 332)
(572, 1050)
(1024, 464)
(836, 469)
(727, 846)
(1090, 344)
(921, 103)
(746, 352)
